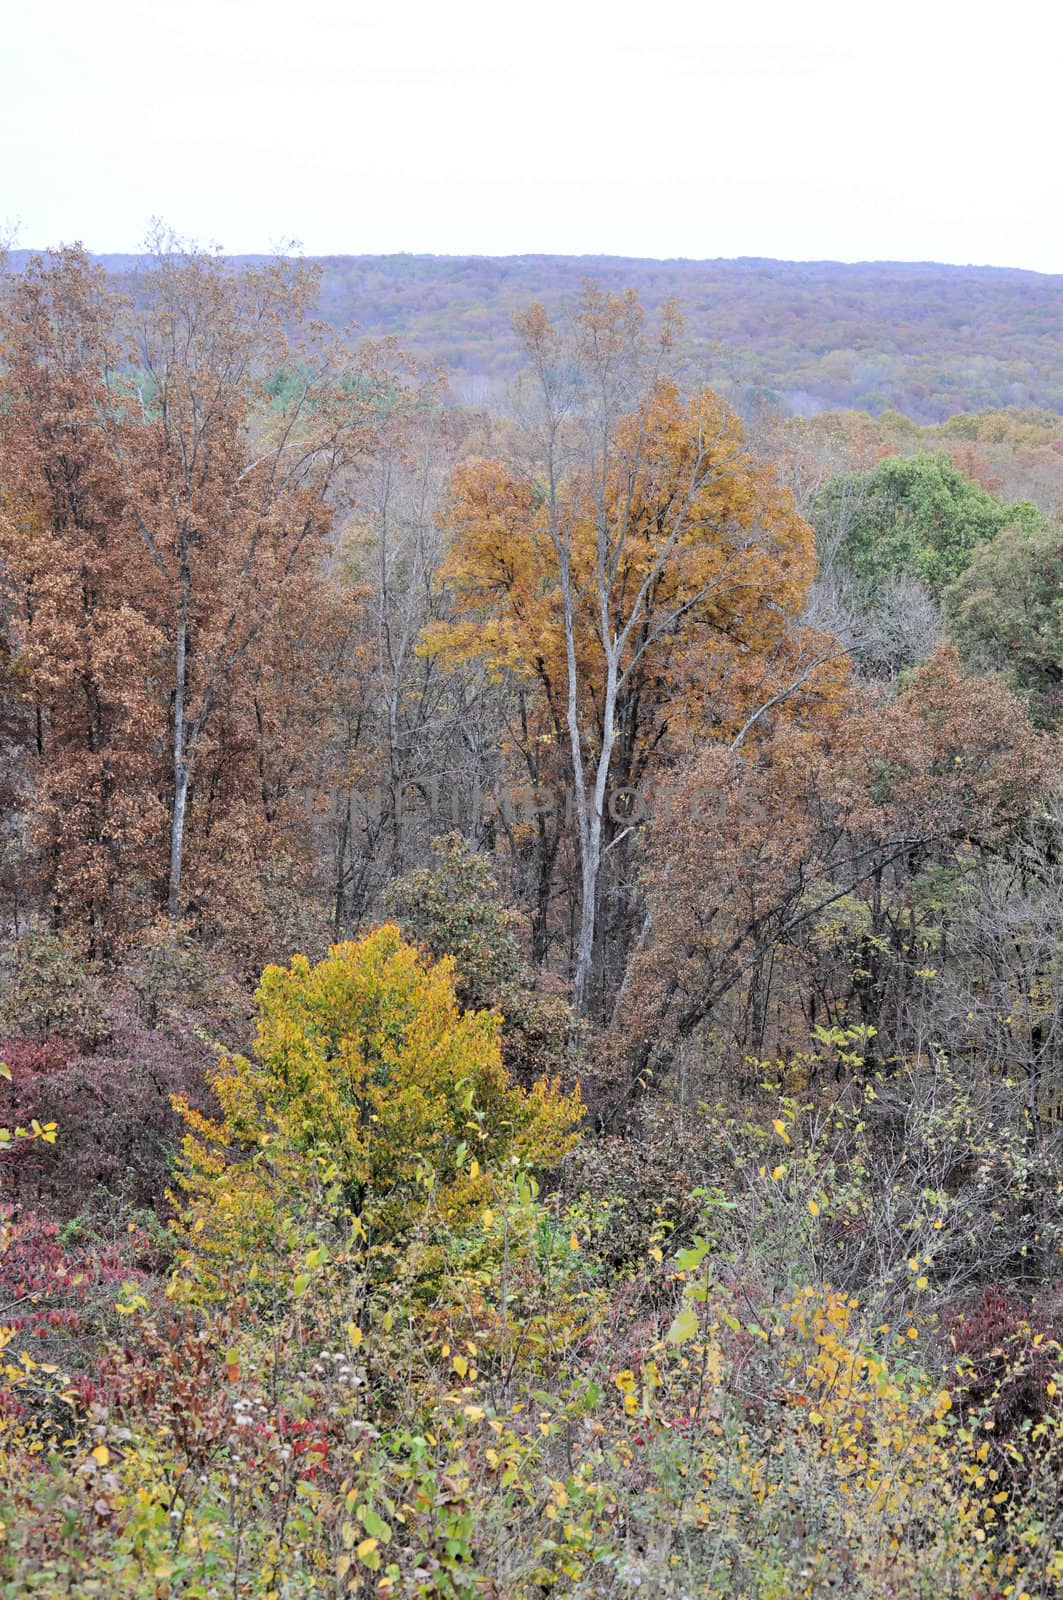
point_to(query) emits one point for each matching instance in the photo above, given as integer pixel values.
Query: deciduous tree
(634, 563)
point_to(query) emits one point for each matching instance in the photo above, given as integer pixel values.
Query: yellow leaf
(354, 1334)
(460, 1366)
(367, 1547)
(814, 1208)
(780, 1128)
(777, 1173)
(101, 1455)
(573, 1242)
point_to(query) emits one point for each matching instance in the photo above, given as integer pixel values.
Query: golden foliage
(368, 1082)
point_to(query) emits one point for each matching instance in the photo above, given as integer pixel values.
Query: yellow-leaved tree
(372, 1100)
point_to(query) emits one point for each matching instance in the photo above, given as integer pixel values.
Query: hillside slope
(928, 340)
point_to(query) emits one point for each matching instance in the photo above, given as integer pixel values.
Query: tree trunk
(591, 818)
(181, 772)
(177, 839)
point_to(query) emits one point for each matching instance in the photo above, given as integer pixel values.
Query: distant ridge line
(928, 339)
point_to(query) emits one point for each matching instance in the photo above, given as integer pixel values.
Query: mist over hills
(925, 339)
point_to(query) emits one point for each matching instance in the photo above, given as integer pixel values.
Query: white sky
(907, 130)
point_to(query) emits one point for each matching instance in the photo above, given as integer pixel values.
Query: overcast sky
(904, 131)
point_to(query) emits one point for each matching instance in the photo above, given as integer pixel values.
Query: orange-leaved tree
(636, 564)
(248, 433)
(81, 609)
(170, 468)
(370, 1094)
(756, 849)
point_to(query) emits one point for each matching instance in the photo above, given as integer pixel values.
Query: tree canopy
(917, 516)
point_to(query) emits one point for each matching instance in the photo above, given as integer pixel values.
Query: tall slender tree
(635, 563)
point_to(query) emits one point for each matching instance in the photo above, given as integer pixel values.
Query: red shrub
(51, 1293)
(25, 1055)
(59, 1305)
(117, 1130)
(1006, 1354)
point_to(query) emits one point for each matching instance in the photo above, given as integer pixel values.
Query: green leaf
(690, 1260)
(375, 1526)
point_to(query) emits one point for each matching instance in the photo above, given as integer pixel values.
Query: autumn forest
(531, 964)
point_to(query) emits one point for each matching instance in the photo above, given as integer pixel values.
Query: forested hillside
(926, 340)
(531, 933)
